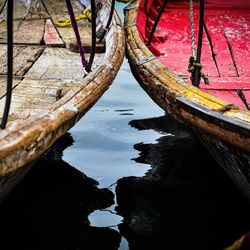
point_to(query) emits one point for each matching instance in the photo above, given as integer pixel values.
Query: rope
(195, 66)
(9, 63)
(86, 15)
(78, 38)
(191, 18)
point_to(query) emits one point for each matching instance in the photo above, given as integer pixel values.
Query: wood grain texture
(68, 36)
(25, 31)
(3, 84)
(37, 10)
(59, 11)
(58, 63)
(34, 96)
(87, 46)
(30, 32)
(24, 57)
(3, 29)
(26, 10)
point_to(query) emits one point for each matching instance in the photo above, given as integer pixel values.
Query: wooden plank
(59, 11)
(220, 46)
(60, 64)
(24, 57)
(26, 9)
(2, 2)
(20, 9)
(25, 31)
(31, 97)
(30, 32)
(229, 96)
(86, 44)
(37, 10)
(3, 84)
(51, 36)
(3, 29)
(227, 83)
(236, 31)
(68, 36)
(57, 63)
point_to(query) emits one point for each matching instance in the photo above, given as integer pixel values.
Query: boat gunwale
(135, 48)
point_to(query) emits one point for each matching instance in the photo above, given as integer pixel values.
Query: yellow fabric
(86, 15)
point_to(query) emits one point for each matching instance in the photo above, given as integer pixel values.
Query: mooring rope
(195, 66)
(191, 18)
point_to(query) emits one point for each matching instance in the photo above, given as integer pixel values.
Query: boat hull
(234, 161)
(221, 130)
(12, 179)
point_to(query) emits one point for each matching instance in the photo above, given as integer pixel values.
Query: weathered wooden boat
(53, 84)
(167, 44)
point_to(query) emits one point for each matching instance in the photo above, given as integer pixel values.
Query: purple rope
(75, 28)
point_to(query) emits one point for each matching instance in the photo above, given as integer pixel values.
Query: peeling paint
(70, 107)
(108, 64)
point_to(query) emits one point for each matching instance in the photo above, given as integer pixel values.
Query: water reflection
(50, 208)
(184, 201)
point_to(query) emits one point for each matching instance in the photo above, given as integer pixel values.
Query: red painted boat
(165, 62)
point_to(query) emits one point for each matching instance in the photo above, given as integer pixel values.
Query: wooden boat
(216, 108)
(51, 89)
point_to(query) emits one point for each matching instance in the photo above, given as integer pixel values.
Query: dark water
(125, 177)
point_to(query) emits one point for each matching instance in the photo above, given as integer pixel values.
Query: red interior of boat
(228, 39)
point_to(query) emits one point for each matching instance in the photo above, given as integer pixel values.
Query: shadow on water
(50, 208)
(184, 201)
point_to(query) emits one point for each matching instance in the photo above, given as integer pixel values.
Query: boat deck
(226, 46)
(44, 69)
